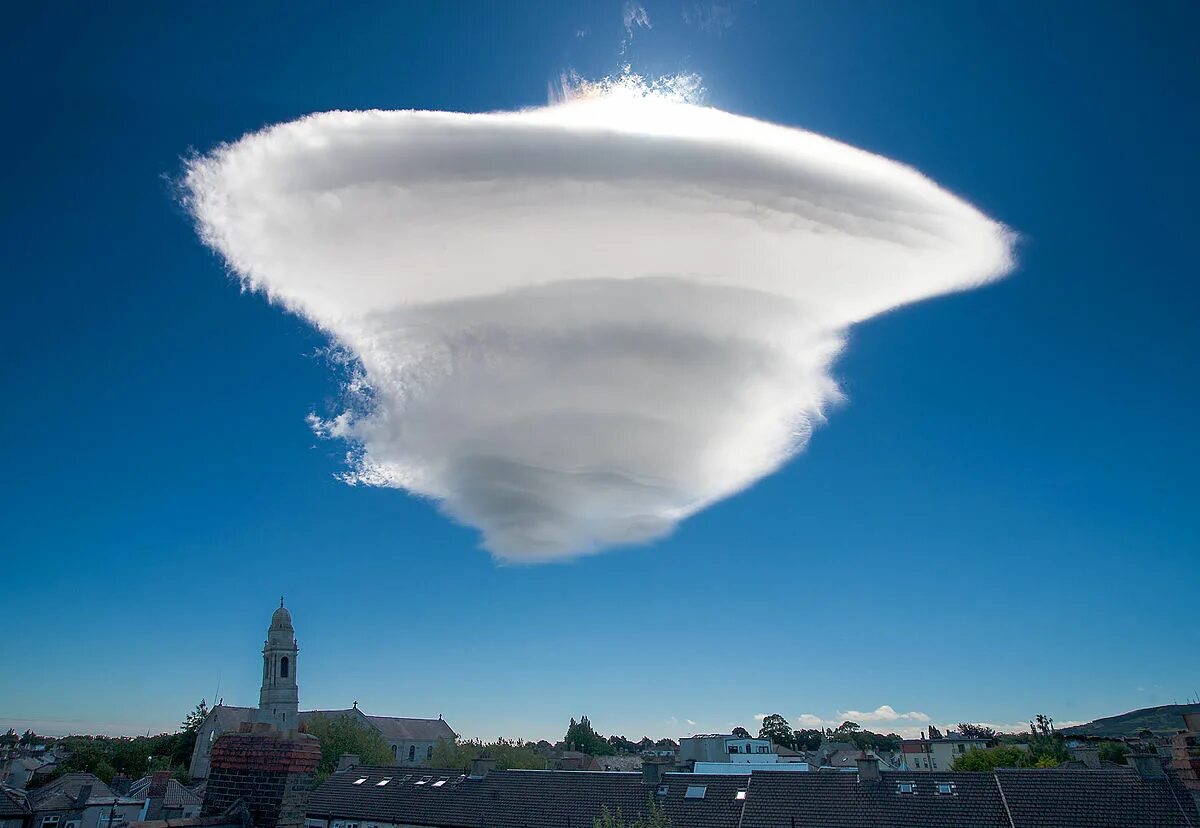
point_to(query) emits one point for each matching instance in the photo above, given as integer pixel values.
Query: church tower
(279, 698)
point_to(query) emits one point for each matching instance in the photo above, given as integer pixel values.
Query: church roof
(417, 730)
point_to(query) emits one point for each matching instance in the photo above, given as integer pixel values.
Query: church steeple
(279, 698)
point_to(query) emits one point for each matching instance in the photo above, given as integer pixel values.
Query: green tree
(509, 755)
(976, 731)
(344, 734)
(807, 739)
(582, 737)
(655, 818)
(740, 732)
(988, 759)
(777, 729)
(1116, 752)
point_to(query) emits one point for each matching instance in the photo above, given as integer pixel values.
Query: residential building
(411, 740)
(724, 748)
(14, 810)
(164, 797)
(936, 754)
(1139, 796)
(80, 800)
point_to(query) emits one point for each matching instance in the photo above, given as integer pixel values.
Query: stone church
(411, 740)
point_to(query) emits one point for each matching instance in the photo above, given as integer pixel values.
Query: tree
(343, 734)
(509, 755)
(976, 731)
(777, 729)
(807, 739)
(988, 759)
(1047, 747)
(741, 733)
(655, 818)
(1116, 752)
(581, 737)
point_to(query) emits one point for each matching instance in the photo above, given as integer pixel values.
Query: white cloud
(883, 713)
(711, 16)
(690, 722)
(761, 716)
(809, 721)
(575, 326)
(634, 16)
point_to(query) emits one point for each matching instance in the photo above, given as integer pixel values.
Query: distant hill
(1167, 718)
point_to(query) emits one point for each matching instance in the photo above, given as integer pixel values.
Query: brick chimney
(158, 784)
(654, 768)
(347, 761)
(1088, 754)
(270, 771)
(868, 768)
(1185, 756)
(1147, 765)
(482, 766)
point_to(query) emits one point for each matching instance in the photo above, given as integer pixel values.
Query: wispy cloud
(714, 16)
(573, 327)
(634, 16)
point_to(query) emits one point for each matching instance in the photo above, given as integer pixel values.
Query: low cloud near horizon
(574, 326)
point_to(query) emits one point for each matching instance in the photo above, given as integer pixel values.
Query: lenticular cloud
(574, 326)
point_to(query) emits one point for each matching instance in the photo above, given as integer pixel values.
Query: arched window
(412, 753)
(283, 667)
(394, 749)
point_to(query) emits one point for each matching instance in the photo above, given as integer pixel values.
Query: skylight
(360, 780)
(905, 787)
(944, 788)
(695, 791)
(740, 795)
(439, 783)
(383, 782)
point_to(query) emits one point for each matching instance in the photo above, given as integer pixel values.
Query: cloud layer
(575, 326)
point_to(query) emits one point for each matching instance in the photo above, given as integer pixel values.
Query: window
(662, 790)
(394, 749)
(360, 780)
(906, 788)
(740, 795)
(439, 783)
(383, 782)
(412, 753)
(733, 749)
(945, 788)
(429, 752)
(695, 792)
(962, 748)
(283, 667)
(50, 820)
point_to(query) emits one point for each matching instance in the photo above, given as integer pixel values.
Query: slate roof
(1117, 798)
(177, 796)
(401, 800)
(60, 795)
(416, 730)
(841, 800)
(12, 803)
(522, 798)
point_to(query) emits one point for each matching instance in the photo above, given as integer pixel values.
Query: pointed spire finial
(281, 601)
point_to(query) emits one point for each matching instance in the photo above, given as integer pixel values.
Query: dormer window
(945, 788)
(906, 788)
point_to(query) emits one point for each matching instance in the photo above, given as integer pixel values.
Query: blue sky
(998, 522)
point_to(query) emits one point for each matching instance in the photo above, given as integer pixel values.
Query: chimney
(1147, 765)
(120, 784)
(347, 761)
(653, 770)
(1185, 755)
(158, 785)
(81, 798)
(868, 769)
(1088, 754)
(482, 766)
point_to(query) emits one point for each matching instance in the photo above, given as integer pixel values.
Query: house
(938, 753)
(724, 748)
(80, 800)
(1126, 797)
(411, 740)
(381, 797)
(164, 797)
(18, 770)
(14, 810)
